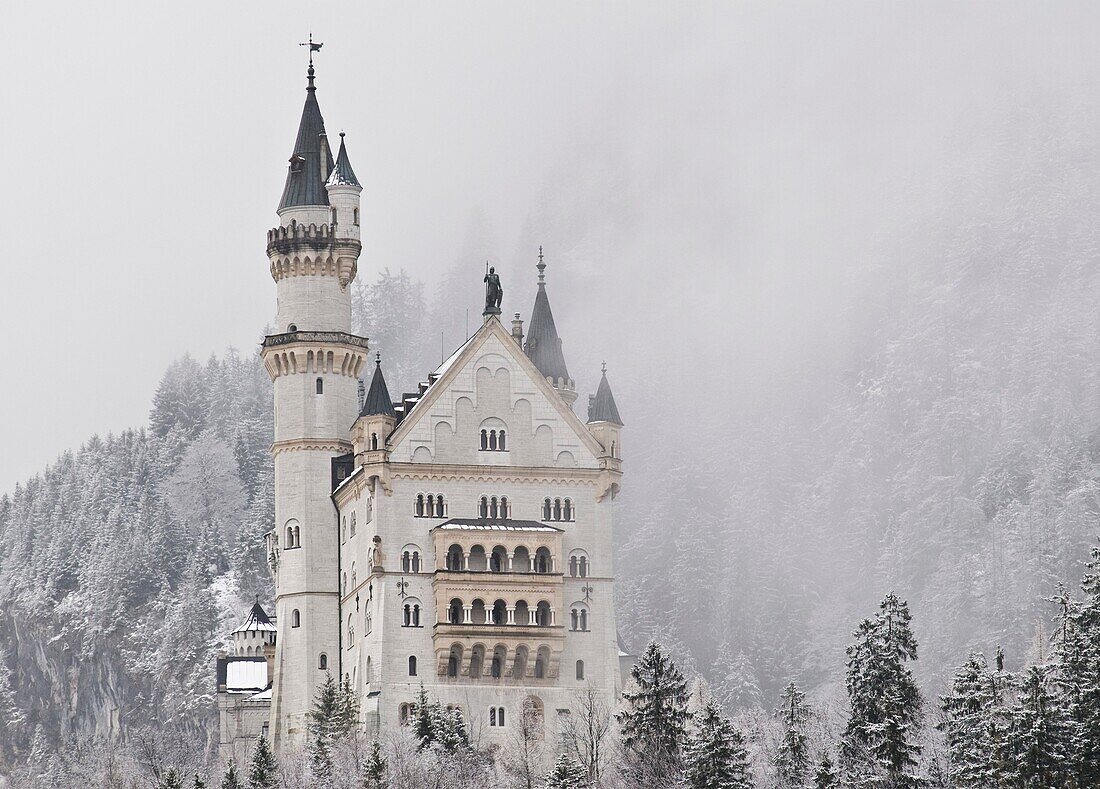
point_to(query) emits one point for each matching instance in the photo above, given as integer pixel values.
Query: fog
(730, 167)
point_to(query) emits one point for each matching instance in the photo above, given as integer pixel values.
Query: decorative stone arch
(580, 566)
(412, 558)
(579, 615)
(293, 533)
(565, 459)
(411, 612)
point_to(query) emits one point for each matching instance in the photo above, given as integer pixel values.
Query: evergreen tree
(973, 725)
(231, 781)
(714, 754)
(1040, 736)
(199, 783)
(170, 780)
(738, 687)
(653, 723)
(1077, 651)
(423, 724)
(374, 771)
(566, 774)
(885, 704)
(825, 777)
(792, 762)
(324, 723)
(263, 772)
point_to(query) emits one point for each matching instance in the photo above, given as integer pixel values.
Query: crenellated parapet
(314, 352)
(299, 250)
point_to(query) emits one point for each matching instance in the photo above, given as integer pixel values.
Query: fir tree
(1039, 737)
(231, 781)
(972, 725)
(792, 762)
(423, 724)
(884, 700)
(263, 772)
(653, 725)
(324, 721)
(714, 754)
(825, 777)
(170, 780)
(566, 774)
(374, 771)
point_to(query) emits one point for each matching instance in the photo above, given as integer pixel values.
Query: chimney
(517, 330)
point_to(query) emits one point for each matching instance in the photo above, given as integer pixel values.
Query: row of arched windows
(578, 565)
(500, 613)
(345, 533)
(293, 535)
(519, 560)
(497, 665)
(490, 507)
(410, 561)
(493, 441)
(411, 614)
(430, 506)
(557, 510)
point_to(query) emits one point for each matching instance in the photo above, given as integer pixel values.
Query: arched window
(557, 509)
(497, 667)
(519, 666)
(540, 666)
(353, 579)
(412, 665)
(355, 215)
(500, 442)
(567, 510)
(406, 621)
(353, 523)
(416, 615)
(322, 662)
(578, 617)
(351, 629)
(484, 440)
(344, 528)
(492, 716)
(334, 216)
(504, 513)
(416, 561)
(320, 386)
(345, 583)
(429, 510)
(500, 613)
(584, 619)
(493, 440)
(483, 510)
(406, 562)
(580, 669)
(543, 562)
(498, 560)
(477, 660)
(419, 508)
(405, 713)
(573, 566)
(440, 507)
(583, 565)
(546, 511)
(452, 665)
(454, 558)
(543, 615)
(613, 450)
(454, 612)
(295, 618)
(578, 564)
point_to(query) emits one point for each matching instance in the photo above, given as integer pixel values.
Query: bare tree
(524, 756)
(585, 729)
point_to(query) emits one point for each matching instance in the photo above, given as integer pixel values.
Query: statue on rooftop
(493, 292)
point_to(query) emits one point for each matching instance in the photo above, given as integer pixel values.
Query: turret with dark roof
(377, 402)
(311, 162)
(601, 406)
(543, 346)
(342, 174)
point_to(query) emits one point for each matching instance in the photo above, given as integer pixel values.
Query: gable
(491, 385)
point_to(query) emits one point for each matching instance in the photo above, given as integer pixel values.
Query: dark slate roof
(543, 347)
(601, 408)
(312, 160)
(342, 174)
(378, 396)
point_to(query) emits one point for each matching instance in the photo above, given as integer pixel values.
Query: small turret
(343, 190)
(255, 634)
(517, 330)
(604, 423)
(543, 346)
(376, 420)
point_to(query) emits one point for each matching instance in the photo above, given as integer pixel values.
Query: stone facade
(460, 539)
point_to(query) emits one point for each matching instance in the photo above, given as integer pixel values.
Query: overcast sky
(763, 146)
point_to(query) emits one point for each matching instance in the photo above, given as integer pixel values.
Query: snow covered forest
(940, 442)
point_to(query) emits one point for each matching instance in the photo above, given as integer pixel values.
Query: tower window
(355, 215)
(295, 618)
(580, 669)
(322, 662)
(412, 665)
(334, 216)
(320, 386)
(496, 716)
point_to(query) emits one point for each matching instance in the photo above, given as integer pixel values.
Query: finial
(603, 369)
(541, 267)
(313, 47)
(378, 359)
(341, 135)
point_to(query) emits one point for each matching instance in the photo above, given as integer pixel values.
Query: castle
(457, 539)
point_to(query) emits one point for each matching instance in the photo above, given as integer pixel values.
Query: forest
(923, 481)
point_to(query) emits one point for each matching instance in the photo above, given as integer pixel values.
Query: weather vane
(313, 47)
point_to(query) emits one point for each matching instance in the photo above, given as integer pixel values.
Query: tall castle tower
(314, 361)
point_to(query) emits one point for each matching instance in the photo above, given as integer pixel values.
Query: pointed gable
(311, 162)
(490, 384)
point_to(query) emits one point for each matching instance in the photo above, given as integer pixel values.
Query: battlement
(296, 238)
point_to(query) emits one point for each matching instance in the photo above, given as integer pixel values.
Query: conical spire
(602, 408)
(342, 174)
(378, 401)
(311, 161)
(543, 346)
(257, 619)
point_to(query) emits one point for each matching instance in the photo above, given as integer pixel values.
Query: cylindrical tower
(315, 362)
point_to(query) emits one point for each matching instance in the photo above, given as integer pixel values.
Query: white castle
(459, 539)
